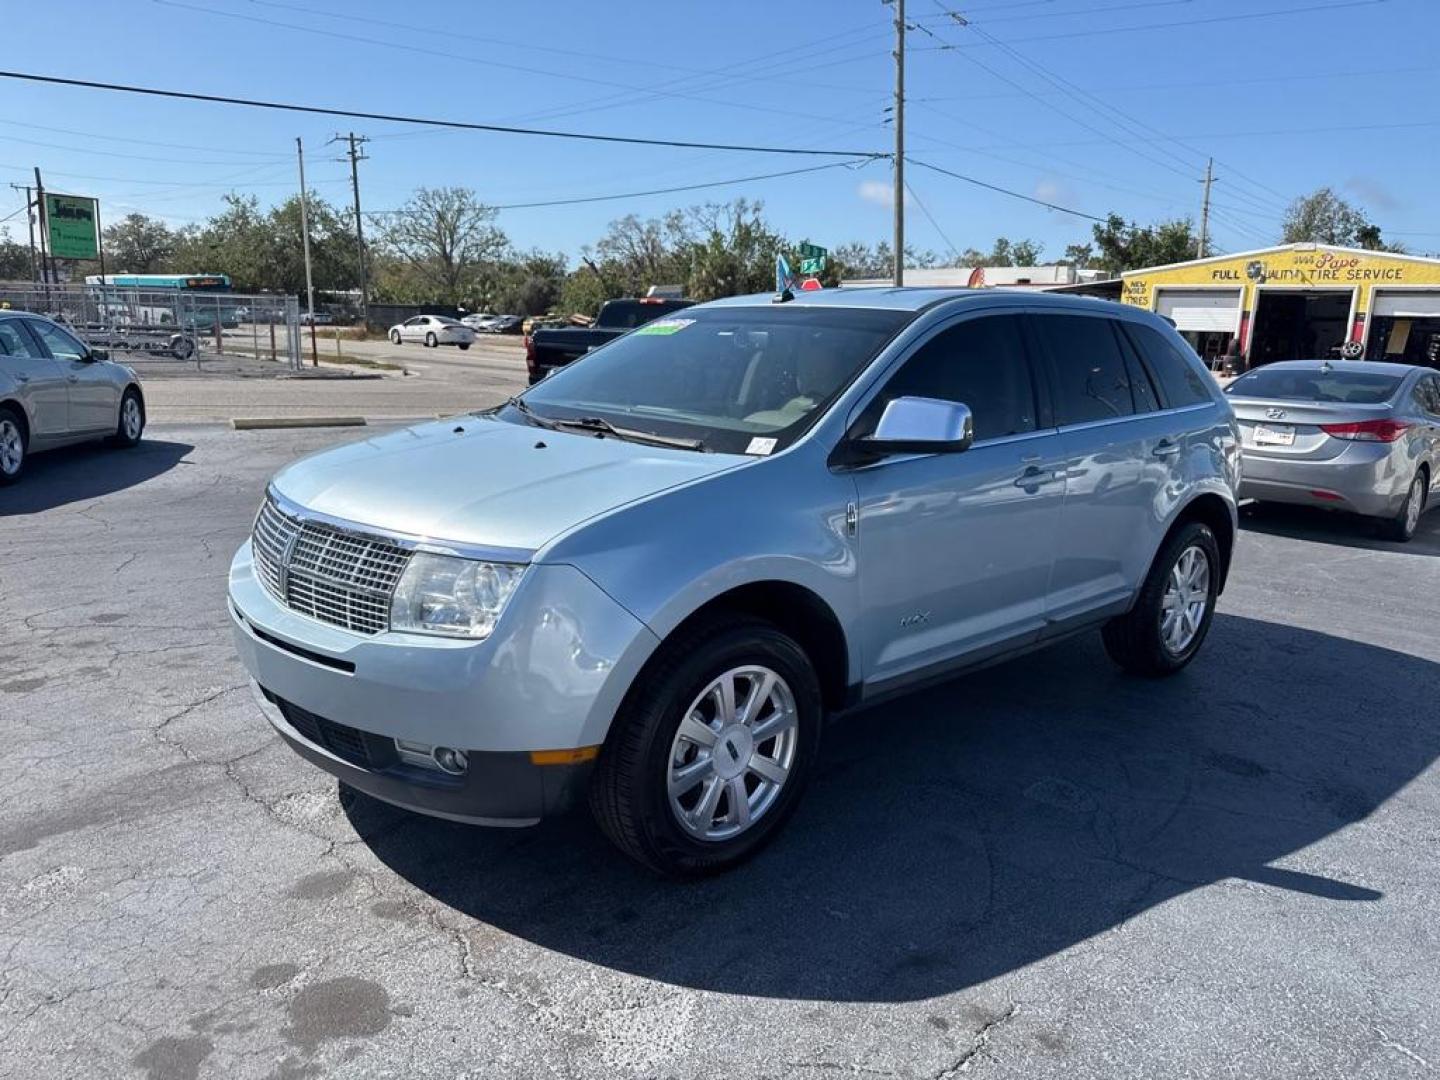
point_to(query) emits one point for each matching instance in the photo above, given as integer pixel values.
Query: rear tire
(132, 420)
(1401, 528)
(650, 775)
(14, 445)
(1166, 627)
(431, 342)
(464, 345)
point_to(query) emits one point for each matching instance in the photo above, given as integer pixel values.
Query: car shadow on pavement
(1336, 527)
(980, 826)
(87, 471)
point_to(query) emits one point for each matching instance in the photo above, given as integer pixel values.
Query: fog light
(454, 762)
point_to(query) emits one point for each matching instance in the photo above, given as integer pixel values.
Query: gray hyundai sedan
(55, 390)
(1348, 435)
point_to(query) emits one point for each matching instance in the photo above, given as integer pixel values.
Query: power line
(395, 118)
(954, 251)
(113, 153)
(1308, 9)
(987, 19)
(430, 52)
(131, 140)
(1006, 191)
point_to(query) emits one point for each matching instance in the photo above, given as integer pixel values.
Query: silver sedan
(1349, 435)
(55, 390)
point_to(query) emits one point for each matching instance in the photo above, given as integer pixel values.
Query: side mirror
(97, 356)
(917, 425)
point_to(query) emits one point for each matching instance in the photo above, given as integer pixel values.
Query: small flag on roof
(784, 276)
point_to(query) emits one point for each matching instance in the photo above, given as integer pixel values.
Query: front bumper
(498, 788)
(1367, 478)
(550, 678)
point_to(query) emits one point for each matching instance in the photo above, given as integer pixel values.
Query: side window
(1181, 382)
(1142, 390)
(1088, 370)
(61, 344)
(13, 341)
(1430, 387)
(980, 363)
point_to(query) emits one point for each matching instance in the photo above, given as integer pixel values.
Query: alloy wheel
(12, 447)
(732, 753)
(1414, 505)
(130, 418)
(1187, 596)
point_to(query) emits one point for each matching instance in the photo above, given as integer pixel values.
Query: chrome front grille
(331, 574)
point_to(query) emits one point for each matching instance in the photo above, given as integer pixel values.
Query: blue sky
(1096, 105)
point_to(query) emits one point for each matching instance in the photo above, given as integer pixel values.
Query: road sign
(811, 251)
(811, 285)
(812, 265)
(71, 221)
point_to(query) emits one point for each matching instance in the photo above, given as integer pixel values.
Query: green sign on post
(812, 251)
(70, 221)
(813, 265)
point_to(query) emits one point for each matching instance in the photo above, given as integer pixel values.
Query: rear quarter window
(1180, 380)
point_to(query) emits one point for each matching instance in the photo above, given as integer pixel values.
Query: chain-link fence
(168, 324)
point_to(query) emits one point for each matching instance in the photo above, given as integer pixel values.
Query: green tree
(15, 262)
(1120, 246)
(138, 244)
(1322, 217)
(444, 238)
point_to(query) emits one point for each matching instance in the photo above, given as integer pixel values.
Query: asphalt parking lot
(1046, 869)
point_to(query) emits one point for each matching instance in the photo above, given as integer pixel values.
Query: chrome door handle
(72, 378)
(1166, 448)
(22, 378)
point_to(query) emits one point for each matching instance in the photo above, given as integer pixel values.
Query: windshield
(628, 314)
(1353, 386)
(739, 379)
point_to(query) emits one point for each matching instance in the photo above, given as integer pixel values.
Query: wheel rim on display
(12, 447)
(130, 418)
(733, 753)
(1187, 595)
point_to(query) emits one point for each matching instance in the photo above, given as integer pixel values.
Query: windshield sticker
(760, 446)
(664, 326)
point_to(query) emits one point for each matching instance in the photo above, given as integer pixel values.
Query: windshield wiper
(601, 426)
(531, 415)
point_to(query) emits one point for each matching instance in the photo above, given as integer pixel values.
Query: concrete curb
(263, 423)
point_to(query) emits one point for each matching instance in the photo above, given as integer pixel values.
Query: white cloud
(1053, 191)
(879, 192)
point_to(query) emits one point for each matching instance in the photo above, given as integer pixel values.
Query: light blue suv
(649, 579)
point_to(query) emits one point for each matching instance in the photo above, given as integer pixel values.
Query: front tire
(1170, 619)
(395, 337)
(712, 749)
(14, 446)
(132, 420)
(1401, 528)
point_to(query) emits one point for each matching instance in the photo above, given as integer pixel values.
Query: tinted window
(1352, 385)
(1430, 390)
(1142, 389)
(1180, 381)
(980, 363)
(62, 345)
(628, 314)
(13, 341)
(741, 379)
(1089, 375)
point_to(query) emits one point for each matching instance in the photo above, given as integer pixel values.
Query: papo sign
(70, 221)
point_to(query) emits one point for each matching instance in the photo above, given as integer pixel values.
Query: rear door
(94, 395)
(955, 549)
(1120, 453)
(38, 382)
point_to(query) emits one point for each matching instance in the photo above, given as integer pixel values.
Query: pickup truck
(553, 347)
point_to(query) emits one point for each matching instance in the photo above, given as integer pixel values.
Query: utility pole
(353, 153)
(30, 221)
(899, 162)
(305, 245)
(1205, 208)
(47, 261)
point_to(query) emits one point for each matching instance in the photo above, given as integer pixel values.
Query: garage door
(1201, 309)
(1417, 305)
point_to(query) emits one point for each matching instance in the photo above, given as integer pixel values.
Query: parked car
(547, 349)
(56, 390)
(320, 318)
(433, 330)
(649, 578)
(502, 324)
(477, 320)
(1343, 434)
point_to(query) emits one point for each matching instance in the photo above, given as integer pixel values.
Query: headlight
(443, 594)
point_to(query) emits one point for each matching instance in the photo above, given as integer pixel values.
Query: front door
(955, 549)
(39, 381)
(94, 396)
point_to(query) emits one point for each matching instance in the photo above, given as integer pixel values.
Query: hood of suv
(474, 480)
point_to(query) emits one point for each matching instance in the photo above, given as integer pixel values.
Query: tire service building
(1299, 302)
